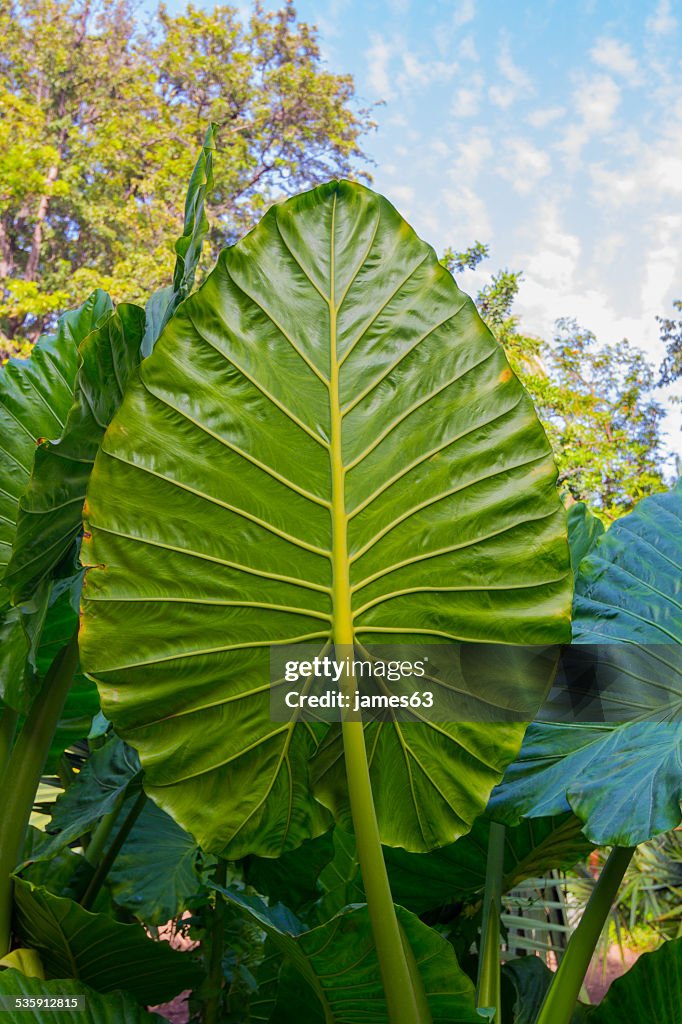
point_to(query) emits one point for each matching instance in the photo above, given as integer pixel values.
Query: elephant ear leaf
(71, 941)
(331, 974)
(627, 598)
(326, 445)
(50, 510)
(35, 397)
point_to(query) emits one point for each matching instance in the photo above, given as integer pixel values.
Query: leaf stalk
(24, 768)
(563, 993)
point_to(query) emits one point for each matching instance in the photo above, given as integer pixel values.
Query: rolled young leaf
(325, 439)
(165, 301)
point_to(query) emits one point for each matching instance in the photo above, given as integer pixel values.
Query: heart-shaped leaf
(327, 444)
(73, 943)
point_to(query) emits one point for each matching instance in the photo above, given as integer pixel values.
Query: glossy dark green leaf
(35, 397)
(73, 943)
(584, 530)
(329, 343)
(114, 1008)
(422, 882)
(165, 301)
(333, 969)
(109, 773)
(154, 875)
(51, 509)
(294, 878)
(650, 991)
(622, 778)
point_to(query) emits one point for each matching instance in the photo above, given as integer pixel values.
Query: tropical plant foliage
(325, 443)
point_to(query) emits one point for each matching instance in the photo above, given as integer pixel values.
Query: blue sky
(551, 131)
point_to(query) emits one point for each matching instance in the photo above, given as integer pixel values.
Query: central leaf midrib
(342, 616)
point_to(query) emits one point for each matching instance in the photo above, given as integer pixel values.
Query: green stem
(563, 993)
(104, 867)
(489, 998)
(214, 980)
(24, 768)
(402, 982)
(101, 833)
(8, 727)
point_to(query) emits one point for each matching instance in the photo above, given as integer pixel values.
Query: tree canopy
(595, 401)
(100, 120)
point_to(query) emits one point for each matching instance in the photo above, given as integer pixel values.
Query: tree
(100, 119)
(595, 401)
(671, 336)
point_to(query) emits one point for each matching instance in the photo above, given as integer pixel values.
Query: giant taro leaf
(327, 444)
(50, 510)
(330, 974)
(35, 397)
(155, 896)
(107, 955)
(623, 779)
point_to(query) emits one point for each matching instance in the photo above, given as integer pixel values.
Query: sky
(550, 131)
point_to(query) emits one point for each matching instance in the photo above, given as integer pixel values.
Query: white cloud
(393, 68)
(652, 177)
(467, 49)
(596, 101)
(472, 154)
(614, 56)
(554, 263)
(401, 195)
(465, 12)
(661, 22)
(467, 99)
(378, 58)
(524, 165)
(516, 82)
(544, 116)
(470, 218)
